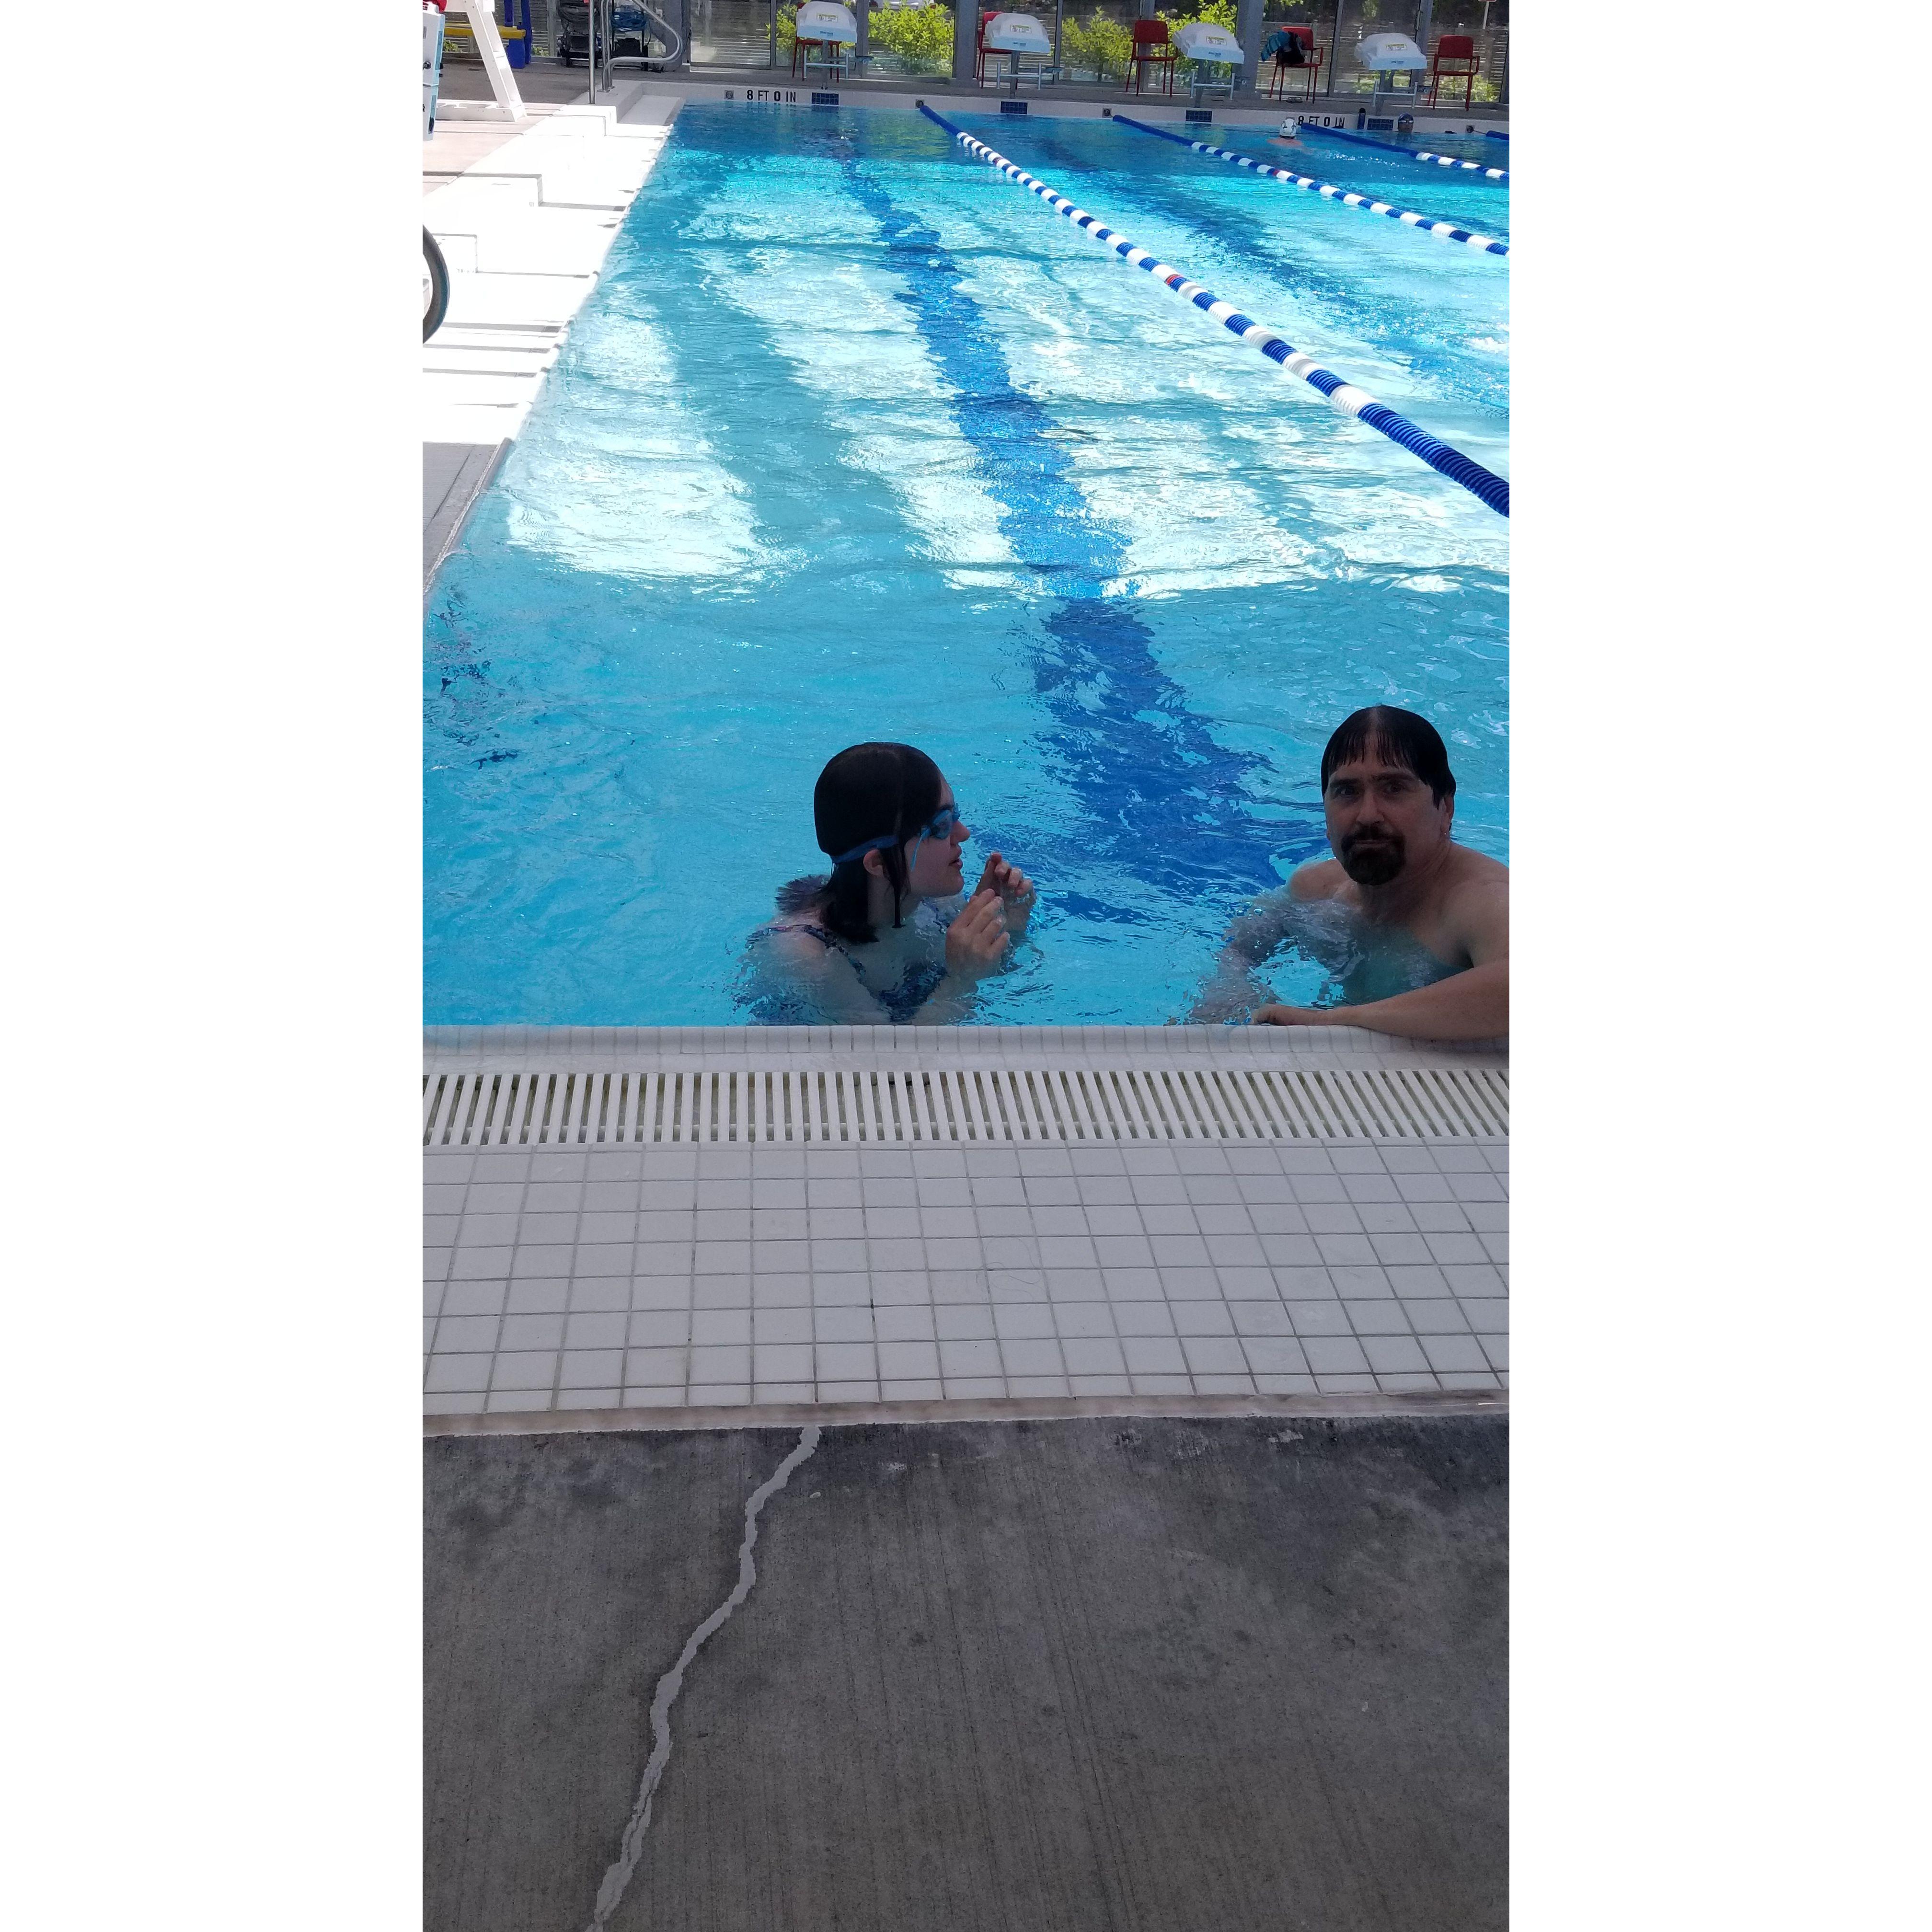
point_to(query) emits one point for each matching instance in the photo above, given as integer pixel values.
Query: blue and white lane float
(1414, 154)
(1425, 224)
(1456, 161)
(1493, 489)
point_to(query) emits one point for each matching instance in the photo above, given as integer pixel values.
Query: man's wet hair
(1402, 738)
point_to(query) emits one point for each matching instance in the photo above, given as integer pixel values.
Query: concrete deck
(455, 475)
(1139, 1677)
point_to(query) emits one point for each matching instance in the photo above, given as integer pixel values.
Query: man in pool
(1415, 926)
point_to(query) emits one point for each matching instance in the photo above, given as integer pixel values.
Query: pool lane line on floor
(1485, 485)
(1426, 224)
(1411, 154)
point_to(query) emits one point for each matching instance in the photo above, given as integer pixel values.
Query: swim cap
(871, 796)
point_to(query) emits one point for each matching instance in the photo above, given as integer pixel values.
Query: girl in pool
(890, 934)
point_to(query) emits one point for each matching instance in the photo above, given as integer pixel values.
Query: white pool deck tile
(575, 1278)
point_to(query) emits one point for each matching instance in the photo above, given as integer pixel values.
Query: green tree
(920, 36)
(1218, 13)
(1101, 45)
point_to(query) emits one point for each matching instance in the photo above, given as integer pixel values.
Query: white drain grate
(971, 1106)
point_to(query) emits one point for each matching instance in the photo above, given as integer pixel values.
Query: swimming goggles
(941, 823)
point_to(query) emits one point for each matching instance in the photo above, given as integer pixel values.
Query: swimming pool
(856, 439)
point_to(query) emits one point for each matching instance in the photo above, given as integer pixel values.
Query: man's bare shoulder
(1477, 872)
(1319, 879)
(1476, 904)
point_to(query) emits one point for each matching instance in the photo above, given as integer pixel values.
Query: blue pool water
(1477, 147)
(856, 439)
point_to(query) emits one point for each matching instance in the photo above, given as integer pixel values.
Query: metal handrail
(668, 58)
(439, 285)
(603, 34)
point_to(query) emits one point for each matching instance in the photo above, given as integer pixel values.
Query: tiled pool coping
(695, 1282)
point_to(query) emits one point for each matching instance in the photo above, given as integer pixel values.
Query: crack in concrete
(611, 1893)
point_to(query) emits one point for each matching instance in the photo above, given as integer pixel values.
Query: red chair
(981, 49)
(1152, 49)
(1311, 56)
(1456, 55)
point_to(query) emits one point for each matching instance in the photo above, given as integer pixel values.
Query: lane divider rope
(1414, 154)
(1493, 489)
(1446, 231)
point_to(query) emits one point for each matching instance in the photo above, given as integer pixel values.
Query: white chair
(1387, 54)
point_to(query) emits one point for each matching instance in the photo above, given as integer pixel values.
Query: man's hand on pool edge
(1470, 1005)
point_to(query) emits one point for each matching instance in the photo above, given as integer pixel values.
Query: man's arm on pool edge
(1234, 982)
(1473, 1004)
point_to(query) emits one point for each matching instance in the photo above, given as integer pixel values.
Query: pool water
(856, 439)
(1477, 147)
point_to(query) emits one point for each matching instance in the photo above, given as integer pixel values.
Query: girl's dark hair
(1401, 737)
(874, 791)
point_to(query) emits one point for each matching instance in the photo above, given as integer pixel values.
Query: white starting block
(1204, 43)
(1383, 54)
(1016, 35)
(825, 29)
(826, 20)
